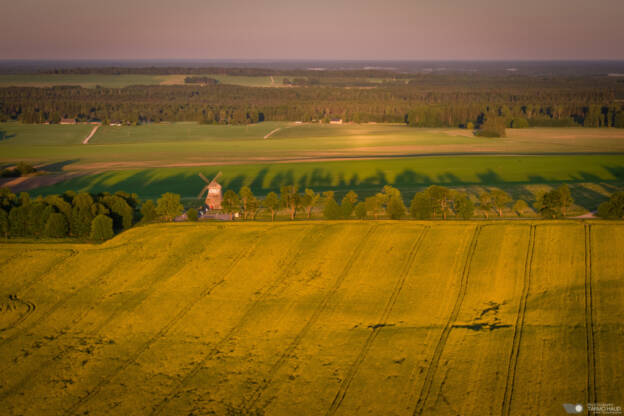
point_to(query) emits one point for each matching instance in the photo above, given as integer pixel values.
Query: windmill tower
(213, 197)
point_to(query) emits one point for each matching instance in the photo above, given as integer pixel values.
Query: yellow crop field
(316, 318)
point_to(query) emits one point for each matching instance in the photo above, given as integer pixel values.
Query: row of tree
(433, 202)
(99, 216)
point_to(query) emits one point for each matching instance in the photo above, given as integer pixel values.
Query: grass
(392, 317)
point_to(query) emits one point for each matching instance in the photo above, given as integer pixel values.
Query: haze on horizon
(323, 29)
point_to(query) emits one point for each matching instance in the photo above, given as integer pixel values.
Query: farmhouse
(335, 121)
(68, 121)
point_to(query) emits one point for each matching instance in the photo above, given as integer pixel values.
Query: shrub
(56, 226)
(192, 215)
(101, 228)
(493, 127)
(519, 123)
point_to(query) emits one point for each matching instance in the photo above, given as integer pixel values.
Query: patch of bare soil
(27, 183)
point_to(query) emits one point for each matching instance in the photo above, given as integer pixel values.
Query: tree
(7, 199)
(613, 208)
(18, 220)
(549, 204)
(56, 226)
(566, 198)
(271, 202)
(485, 203)
(520, 207)
(396, 208)
(4, 223)
(309, 200)
(192, 215)
(348, 204)
(81, 217)
(421, 207)
(440, 197)
(246, 198)
(38, 214)
(500, 200)
(148, 211)
(374, 204)
(464, 208)
(332, 210)
(230, 203)
(360, 211)
(168, 206)
(120, 211)
(101, 228)
(290, 199)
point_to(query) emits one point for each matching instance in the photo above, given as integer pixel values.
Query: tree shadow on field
(5, 136)
(58, 166)
(152, 183)
(617, 171)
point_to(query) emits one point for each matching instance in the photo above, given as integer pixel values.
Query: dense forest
(420, 100)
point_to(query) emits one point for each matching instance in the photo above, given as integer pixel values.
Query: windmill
(213, 197)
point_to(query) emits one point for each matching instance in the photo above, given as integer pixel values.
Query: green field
(309, 318)
(157, 158)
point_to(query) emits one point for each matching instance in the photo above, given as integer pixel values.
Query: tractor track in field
(30, 308)
(592, 394)
(205, 292)
(519, 326)
(65, 332)
(251, 402)
(94, 281)
(383, 320)
(159, 407)
(47, 270)
(439, 349)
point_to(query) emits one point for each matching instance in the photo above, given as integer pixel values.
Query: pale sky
(321, 29)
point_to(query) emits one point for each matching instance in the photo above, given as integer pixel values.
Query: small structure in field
(68, 121)
(214, 195)
(335, 121)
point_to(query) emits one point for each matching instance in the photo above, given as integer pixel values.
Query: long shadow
(5, 136)
(58, 166)
(150, 184)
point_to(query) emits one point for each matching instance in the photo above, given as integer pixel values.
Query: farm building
(68, 121)
(335, 121)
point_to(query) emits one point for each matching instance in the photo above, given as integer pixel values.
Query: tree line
(435, 202)
(100, 216)
(81, 215)
(426, 101)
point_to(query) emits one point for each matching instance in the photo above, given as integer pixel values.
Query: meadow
(309, 318)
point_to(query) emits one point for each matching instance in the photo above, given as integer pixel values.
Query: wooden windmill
(213, 197)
